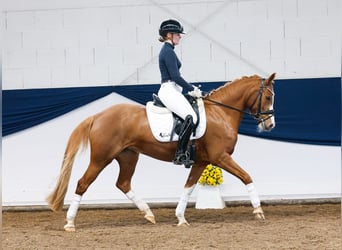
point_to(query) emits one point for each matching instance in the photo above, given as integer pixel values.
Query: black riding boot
(182, 155)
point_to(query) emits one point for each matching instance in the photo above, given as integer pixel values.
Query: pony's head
(262, 106)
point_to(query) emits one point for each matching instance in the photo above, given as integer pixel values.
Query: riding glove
(197, 93)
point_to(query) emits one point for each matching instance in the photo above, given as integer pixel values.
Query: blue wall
(306, 110)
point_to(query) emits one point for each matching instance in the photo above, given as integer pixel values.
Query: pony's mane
(228, 87)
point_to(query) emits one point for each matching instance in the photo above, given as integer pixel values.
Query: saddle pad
(161, 122)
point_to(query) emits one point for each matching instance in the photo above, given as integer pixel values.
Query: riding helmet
(170, 25)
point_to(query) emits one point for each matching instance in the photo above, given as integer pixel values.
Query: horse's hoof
(182, 222)
(70, 226)
(260, 217)
(150, 218)
(69, 229)
(259, 214)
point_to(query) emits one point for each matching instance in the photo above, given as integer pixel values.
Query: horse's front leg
(227, 163)
(190, 184)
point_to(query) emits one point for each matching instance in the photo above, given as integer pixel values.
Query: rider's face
(174, 37)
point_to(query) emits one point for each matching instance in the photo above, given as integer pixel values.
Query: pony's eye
(268, 98)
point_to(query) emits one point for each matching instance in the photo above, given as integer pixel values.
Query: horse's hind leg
(88, 177)
(127, 160)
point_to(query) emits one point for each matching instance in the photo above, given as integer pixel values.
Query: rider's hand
(197, 93)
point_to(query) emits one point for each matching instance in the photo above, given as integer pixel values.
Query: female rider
(172, 85)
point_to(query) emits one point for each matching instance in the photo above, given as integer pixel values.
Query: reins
(227, 106)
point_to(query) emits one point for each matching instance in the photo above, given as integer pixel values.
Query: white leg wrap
(183, 201)
(253, 195)
(141, 204)
(72, 211)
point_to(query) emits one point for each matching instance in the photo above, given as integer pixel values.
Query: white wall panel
(79, 56)
(270, 29)
(290, 8)
(334, 8)
(37, 77)
(105, 56)
(242, 29)
(202, 72)
(123, 36)
(278, 48)
(292, 47)
(309, 8)
(13, 79)
(65, 76)
(256, 50)
(49, 20)
(22, 58)
(93, 73)
(76, 19)
(90, 38)
(148, 74)
(218, 31)
(318, 46)
(37, 39)
(134, 15)
(237, 68)
(252, 9)
(19, 21)
(50, 57)
(12, 40)
(138, 55)
(123, 73)
(197, 49)
(65, 38)
(147, 35)
(275, 9)
(223, 53)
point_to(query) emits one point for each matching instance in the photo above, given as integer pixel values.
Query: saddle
(165, 125)
(178, 121)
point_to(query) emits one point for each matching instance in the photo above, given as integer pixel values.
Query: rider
(172, 85)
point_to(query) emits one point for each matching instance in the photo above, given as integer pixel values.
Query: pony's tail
(79, 136)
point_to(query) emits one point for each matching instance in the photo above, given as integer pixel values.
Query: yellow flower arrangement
(211, 176)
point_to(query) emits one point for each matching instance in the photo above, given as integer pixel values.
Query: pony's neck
(236, 93)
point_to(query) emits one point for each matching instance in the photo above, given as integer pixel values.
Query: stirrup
(183, 158)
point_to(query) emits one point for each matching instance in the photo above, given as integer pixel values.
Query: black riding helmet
(171, 26)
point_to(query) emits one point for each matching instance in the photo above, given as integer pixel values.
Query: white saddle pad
(161, 122)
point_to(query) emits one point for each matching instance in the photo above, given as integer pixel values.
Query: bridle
(259, 113)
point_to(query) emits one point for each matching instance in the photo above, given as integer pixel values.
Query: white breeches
(171, 95)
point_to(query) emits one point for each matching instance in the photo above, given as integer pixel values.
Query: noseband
(259, 114)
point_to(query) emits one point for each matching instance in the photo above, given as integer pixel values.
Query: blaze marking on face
(272, 118)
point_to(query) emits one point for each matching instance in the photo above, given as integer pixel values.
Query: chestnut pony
(122, 132)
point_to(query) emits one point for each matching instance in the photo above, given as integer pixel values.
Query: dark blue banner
(306, 110)
(22, 109)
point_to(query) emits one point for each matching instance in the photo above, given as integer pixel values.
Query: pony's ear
(271, 78)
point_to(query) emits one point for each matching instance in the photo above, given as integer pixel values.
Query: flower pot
(209, 197)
